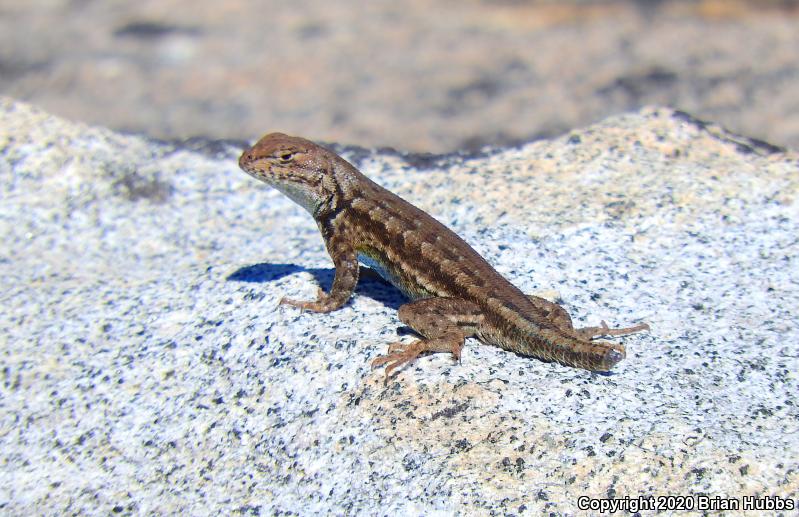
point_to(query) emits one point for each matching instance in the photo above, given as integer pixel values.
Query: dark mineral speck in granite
(152, 30)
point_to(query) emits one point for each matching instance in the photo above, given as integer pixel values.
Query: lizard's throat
(305, 196)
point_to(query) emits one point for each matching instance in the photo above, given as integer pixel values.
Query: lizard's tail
(598, 356)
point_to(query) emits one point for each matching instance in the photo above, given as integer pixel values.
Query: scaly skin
(455, 293)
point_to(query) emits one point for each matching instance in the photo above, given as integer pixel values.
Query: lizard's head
(297, 167)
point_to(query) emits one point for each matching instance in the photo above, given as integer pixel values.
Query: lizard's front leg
(444, 322)
(346, 278)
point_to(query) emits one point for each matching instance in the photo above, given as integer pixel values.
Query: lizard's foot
(402, 353)
(398, 354)
(321, 304)
(604, 330)
(301, 304)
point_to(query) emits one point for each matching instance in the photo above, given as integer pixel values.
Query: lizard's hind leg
(558, 315)
(445, 323)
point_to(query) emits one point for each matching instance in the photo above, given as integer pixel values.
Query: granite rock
(147, 366)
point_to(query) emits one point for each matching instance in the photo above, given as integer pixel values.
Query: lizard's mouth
(245, 160)
(249, 164)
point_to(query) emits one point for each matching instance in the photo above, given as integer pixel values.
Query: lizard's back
(421, 256)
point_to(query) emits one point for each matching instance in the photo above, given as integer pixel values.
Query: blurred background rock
(419, 75)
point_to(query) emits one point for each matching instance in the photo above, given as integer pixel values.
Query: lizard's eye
(285, 156)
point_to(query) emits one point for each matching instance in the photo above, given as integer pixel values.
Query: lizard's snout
(245, 158)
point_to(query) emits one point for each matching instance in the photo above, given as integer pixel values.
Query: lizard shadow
(370, 283)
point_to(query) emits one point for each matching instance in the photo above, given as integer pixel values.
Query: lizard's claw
(301, 304)
(398, 354)
(603, 330)
(304, 305)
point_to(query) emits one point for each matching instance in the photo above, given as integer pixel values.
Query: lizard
(454, 292)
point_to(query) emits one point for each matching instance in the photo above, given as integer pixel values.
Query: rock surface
(147, 367)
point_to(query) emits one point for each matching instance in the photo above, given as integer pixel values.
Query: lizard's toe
(380, 361)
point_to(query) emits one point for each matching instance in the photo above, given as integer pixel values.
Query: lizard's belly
(393, 275)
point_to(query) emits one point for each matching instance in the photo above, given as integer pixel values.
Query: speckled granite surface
(147, 367)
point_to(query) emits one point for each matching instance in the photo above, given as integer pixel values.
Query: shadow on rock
(370, 283)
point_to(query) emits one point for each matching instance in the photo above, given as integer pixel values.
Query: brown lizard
(455, 293)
